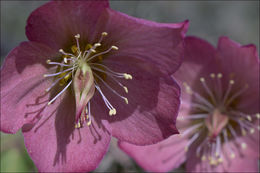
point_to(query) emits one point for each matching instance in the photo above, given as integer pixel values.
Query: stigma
(83, 68)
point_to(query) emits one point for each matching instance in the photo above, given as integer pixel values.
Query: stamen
(208, 90)
(112, 110)
(231, 82)
(77, 40)
(59, 93)
(219, 86)
(98, 54)
(54, 83)
(89, 115)
(68, 54)
(236, 95)
(111, 89)
(194, 137)
(191, 129)
(194, 116)
(257, 115)
(232, 154)
(218, 146)
(55, 74)
(56, 63)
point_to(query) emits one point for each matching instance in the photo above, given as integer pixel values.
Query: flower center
(214, 119)
(84, 69)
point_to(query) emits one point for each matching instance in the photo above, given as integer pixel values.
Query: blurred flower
(219, 113)
(80, 62)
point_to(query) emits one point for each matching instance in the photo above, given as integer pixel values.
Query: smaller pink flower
(219, 115)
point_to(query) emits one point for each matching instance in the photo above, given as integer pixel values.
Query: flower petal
(56, 22)
(153, 102)
(242, 64)
(161, 157)
(157, 43)
(56, 146)
(22, 83)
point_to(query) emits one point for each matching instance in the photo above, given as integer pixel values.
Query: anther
(212, 75)
(112, 112)
(231, 82)
(186, 148)
(220, 160)
(48, 61)
(202, 79)
(127, 76)
(104, 33)
(61, 51)
(97, 44)
(252, 130)
(219, 75)
(65, 60)
(77, 36)
(114, 47)
(125, 88)
(203, 158)
(126, 100)
(257, 115)
(249, 118)
(243, 145)
(232, 155)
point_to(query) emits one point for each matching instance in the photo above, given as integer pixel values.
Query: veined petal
(153, 103)
(56, 22)
(56, 146)
(23, 85)
(157, 43)
(161, 157)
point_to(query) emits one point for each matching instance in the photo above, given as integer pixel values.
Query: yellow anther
(219, 75)
(104, 33)
(125, 88)
(252, 130)
(188, 90)
(92, 50)
(89, 122)
(203, 158)
(244, 132)
(126, 100)
(78, 125)
(202, 79)
(232, 155)
(114, 47)
(65, 60)
(213, 162)
(61, 51)
(231, 82)
(97, 44)
(48, 61)
(77, 36)
(257, 115)
(88, 46)
(212, 75)
(220, 160)
(127, 76)
(249, 118)
(74, 48)
(112, 112)
(243, 145)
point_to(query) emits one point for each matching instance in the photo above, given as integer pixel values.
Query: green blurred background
(238, 20)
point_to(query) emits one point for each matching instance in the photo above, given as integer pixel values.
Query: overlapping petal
(157, 43)
(56, 146)
(22, 84)
(56, 22)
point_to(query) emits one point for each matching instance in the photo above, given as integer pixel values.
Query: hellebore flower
(88, 73)
(219, 112)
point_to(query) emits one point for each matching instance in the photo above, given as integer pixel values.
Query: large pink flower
(219, 114)
(86, 73)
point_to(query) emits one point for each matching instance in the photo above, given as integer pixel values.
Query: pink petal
(56, 146)
(161, 157)
(243, 63)
(56, 22)
(153, 99)
(157, 43)
(22, 84)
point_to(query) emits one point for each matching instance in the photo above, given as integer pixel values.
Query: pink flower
(88, 73)
(219, 114)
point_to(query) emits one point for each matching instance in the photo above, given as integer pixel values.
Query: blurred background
(209, 20)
